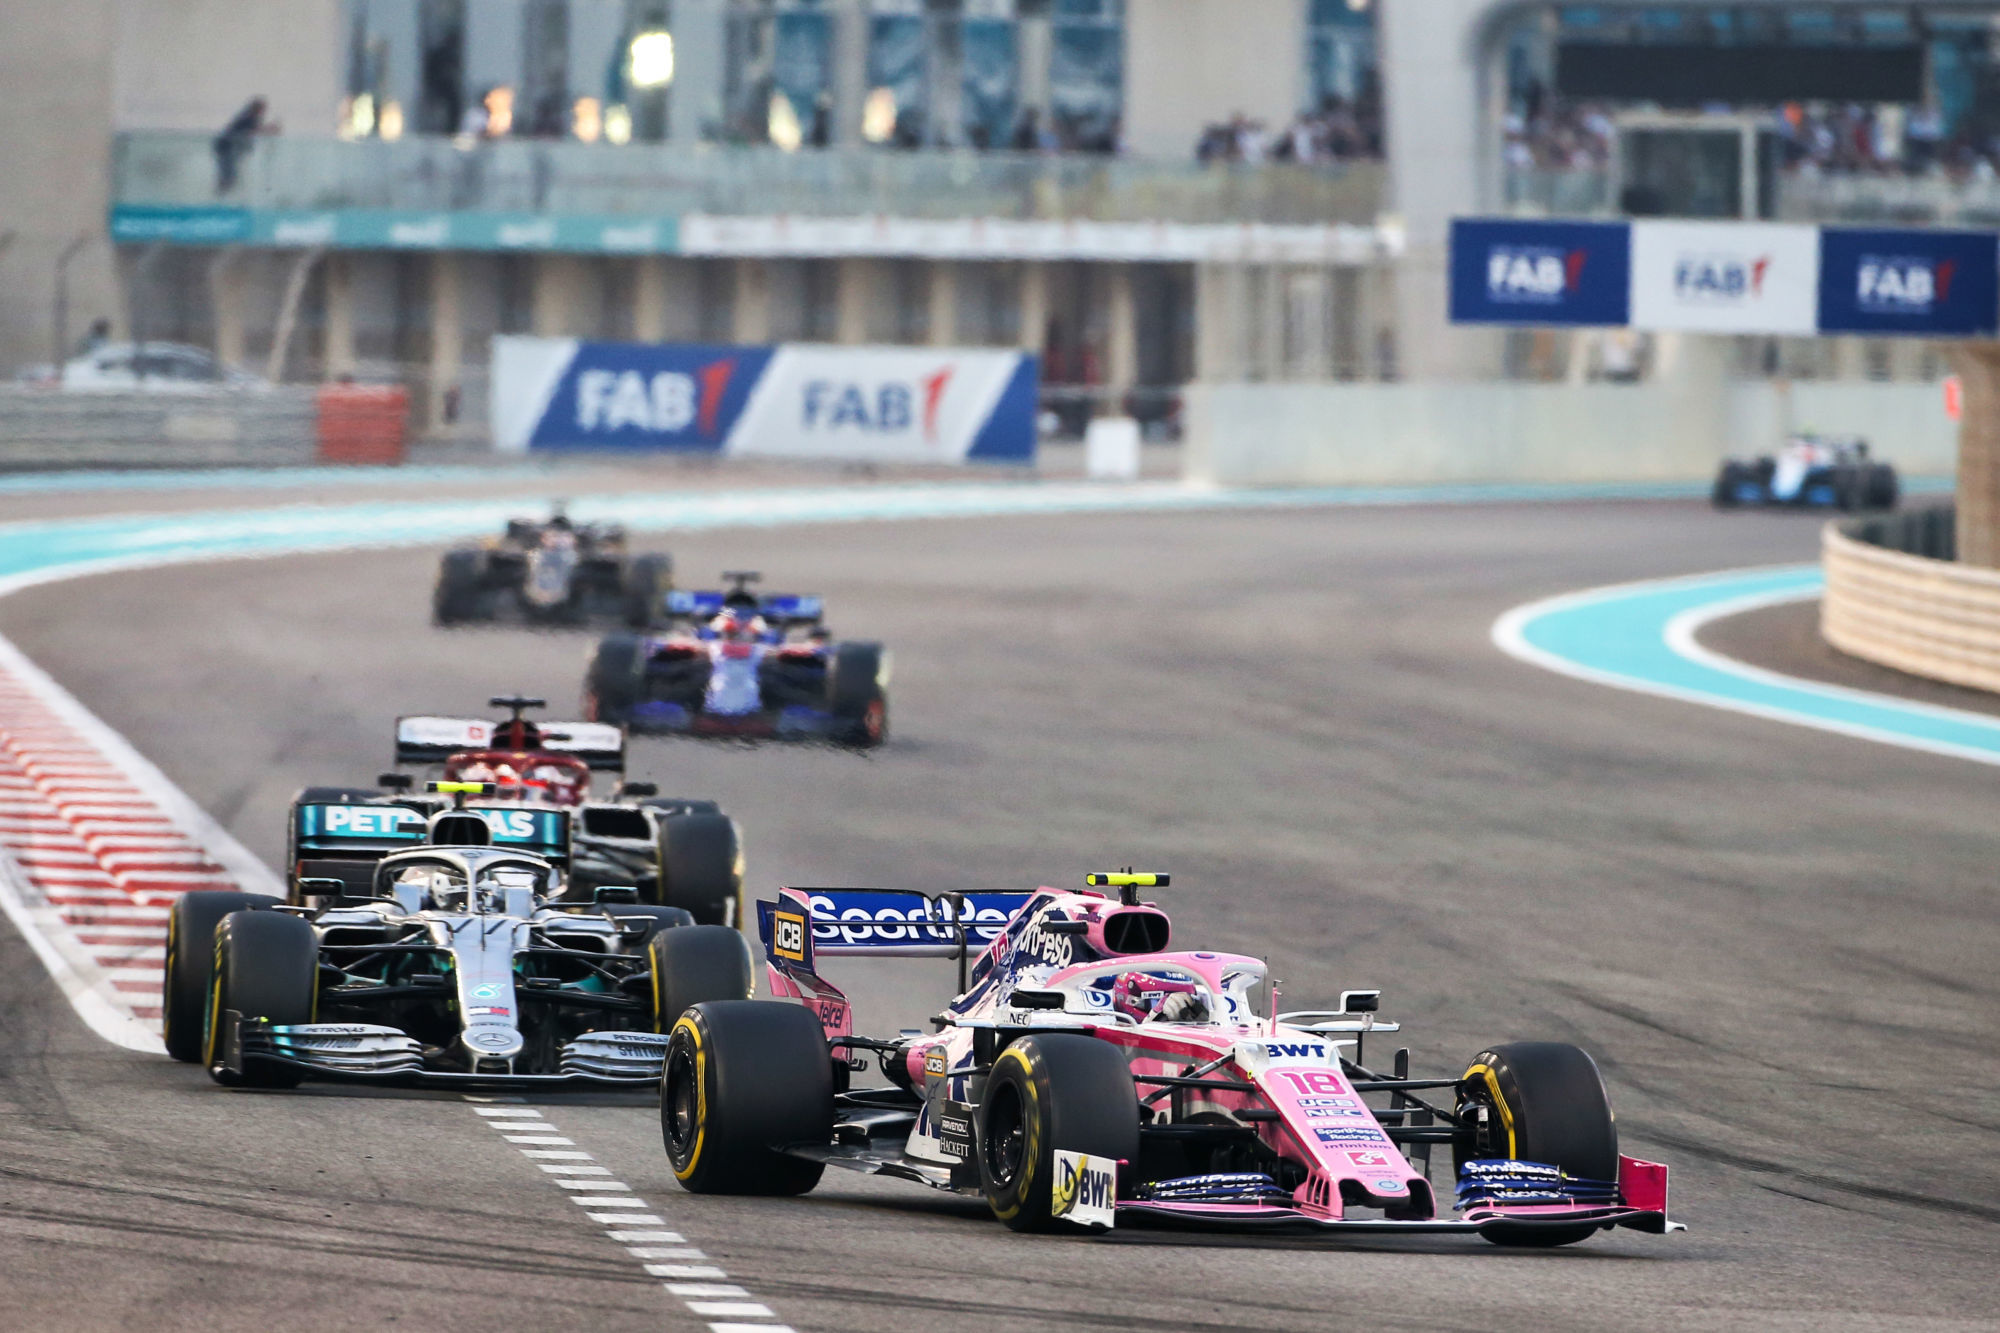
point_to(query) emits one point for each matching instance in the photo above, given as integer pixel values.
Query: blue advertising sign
(1930, 283)
(1512, 271)
(638, 395)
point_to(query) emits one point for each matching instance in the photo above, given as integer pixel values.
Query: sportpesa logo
(1533, 274)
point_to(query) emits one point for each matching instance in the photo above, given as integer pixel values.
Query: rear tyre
(742, 1078)
(1544, 1102)
(1883, 490)
(857, 680)
(647, 582)
(266, 966)
(616, 680)
(1059, 1090)
(1724, 496)
(697, 965)
(701, 866)
(461, 578)
(190, 965)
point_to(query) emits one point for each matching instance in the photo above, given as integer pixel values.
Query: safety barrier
(50, 428)
(1917, 613)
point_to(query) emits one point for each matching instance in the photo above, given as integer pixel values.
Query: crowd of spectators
(1340, 131)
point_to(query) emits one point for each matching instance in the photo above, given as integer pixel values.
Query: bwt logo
(1533, 274)
(881, 409)
(1720, 279)
(1081, 1184)
(666, 404)
(1902, 284)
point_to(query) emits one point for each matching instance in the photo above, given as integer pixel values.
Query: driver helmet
(506, 776)
(734, 626)
(476, 771)
(1143, 996)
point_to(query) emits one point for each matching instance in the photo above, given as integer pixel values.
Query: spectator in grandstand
(236, 140)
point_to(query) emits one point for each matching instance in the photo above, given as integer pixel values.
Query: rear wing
(360, 831)
(897, 923)
(779, 608)
(432, 740)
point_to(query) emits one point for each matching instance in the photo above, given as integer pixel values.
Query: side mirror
(1035, 999)
(1360, 1001)
(313, 886)
(638, 789)
(615, 893)
(394, 781)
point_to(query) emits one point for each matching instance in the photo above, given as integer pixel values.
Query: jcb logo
(788, 936)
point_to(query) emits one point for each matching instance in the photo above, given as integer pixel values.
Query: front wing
(367, 1053)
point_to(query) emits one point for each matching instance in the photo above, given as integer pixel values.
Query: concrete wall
(192, 64)
(1189, 63)
(1393, 434)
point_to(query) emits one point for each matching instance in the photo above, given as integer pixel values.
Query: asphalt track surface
(1778, 942)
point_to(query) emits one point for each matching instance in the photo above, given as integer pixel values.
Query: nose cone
(491, 1041)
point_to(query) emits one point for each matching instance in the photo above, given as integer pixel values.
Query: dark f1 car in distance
(457, 961)
(1809, 473)
(553, 572)
(736, 663)
(677, 852)
(1086, 1075)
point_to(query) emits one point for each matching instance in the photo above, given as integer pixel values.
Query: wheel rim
(1005, 1139)
(875, 722)
(680, 1102)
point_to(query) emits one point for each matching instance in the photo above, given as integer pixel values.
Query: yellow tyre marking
(700, 1096)
(1032, 1137)
(653, 957)
(167, 989)
(1499, 1102)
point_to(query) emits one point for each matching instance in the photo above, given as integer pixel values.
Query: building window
(1087, 74)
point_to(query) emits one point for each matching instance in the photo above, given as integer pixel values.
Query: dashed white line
(684, 1271)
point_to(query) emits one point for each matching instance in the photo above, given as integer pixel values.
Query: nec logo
(890, 408)
(1902, 285)
(667, 404)
(788, 936)
(1533, 274)
(1720, 279)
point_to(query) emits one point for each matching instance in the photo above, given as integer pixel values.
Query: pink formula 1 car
(1087, 1075)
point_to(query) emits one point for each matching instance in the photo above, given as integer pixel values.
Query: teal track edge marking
(1643, 637)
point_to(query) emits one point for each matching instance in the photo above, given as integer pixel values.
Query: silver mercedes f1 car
(459, 962)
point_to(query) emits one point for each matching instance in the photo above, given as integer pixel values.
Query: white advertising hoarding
(1725, 277)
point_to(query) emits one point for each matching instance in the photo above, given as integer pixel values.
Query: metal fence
(45, 427)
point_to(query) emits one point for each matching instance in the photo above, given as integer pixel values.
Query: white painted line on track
(685, 1273)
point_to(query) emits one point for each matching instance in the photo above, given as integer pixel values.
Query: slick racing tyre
(266, 966)
(1725, 494)
(1882, 486)
(694, 965)
(857, 693)
(701, 866)
(616, 679)
(1058, 1090)
(191, 965)
(647, 583)
(461, 579)
(742, 1078)
(1543, 1101)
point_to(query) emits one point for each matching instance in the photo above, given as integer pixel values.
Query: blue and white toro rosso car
(1809, 473)
(1090, 1073)
(736, 663)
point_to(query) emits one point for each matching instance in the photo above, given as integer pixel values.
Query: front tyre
(701, 866)
(1538, 1101)
(267, 967)
(460, 584)
(743, 1079)
(857, 693)
(1058, 1090)
(647, 583)
(616, 680)
(190, 965)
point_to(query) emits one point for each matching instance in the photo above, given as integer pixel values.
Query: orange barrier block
(363, 423)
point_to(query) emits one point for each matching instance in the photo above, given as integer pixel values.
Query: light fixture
(782, 124)
(389, 122)
(617, 124)
(878, 115)
(585, 120)
(499, 111)
(650, 60)
(360, 116)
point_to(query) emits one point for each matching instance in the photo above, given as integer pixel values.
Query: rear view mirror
(616, 893)
(312, 886)
(394, 781)
(638, 789)
(1360, 1001)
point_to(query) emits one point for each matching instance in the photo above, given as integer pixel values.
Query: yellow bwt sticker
(788, 936)
(1126, 879)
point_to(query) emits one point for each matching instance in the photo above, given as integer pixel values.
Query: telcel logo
(1720, 279)
(1902, 284)
(1532, 274)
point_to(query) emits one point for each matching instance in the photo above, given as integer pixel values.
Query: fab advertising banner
(1932, 283)
(1508, 271)
(1725, 277)
(883, 404)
